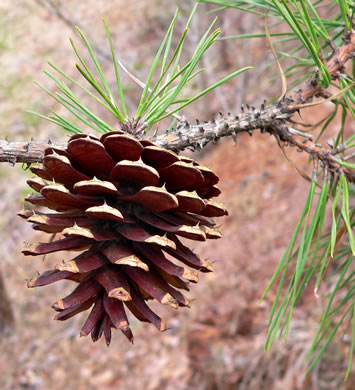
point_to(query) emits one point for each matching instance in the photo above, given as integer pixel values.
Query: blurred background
(218, 343)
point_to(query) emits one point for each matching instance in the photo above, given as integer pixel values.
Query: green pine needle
(159, 98)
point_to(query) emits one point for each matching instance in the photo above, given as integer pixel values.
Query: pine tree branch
(273, 119)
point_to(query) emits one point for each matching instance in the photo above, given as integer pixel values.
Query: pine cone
(124, 204)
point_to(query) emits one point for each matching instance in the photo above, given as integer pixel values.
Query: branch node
(12, 160)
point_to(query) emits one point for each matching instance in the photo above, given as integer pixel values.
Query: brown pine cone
(124, 204)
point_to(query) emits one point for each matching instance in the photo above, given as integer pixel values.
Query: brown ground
(218, 343)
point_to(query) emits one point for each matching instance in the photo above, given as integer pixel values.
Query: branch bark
(25, 152)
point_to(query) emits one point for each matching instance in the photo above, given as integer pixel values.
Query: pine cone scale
(99, 164)
(135, 172)
(61, 168)
(74, 310)
(115, 283)
(86, 290)
(94, 317)
(154, 199)
(123, 147)
(88, 261)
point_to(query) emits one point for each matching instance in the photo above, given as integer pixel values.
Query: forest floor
(218, 343)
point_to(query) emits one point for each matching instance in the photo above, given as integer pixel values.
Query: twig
(336, 63)
(25, 152)
(271, 119)
(317, 151)
(349, 157)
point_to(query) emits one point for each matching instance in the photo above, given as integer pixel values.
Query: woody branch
(273, 119)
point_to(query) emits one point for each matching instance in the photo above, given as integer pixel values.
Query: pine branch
(335, 68)
(25, 152)
(272, 119)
